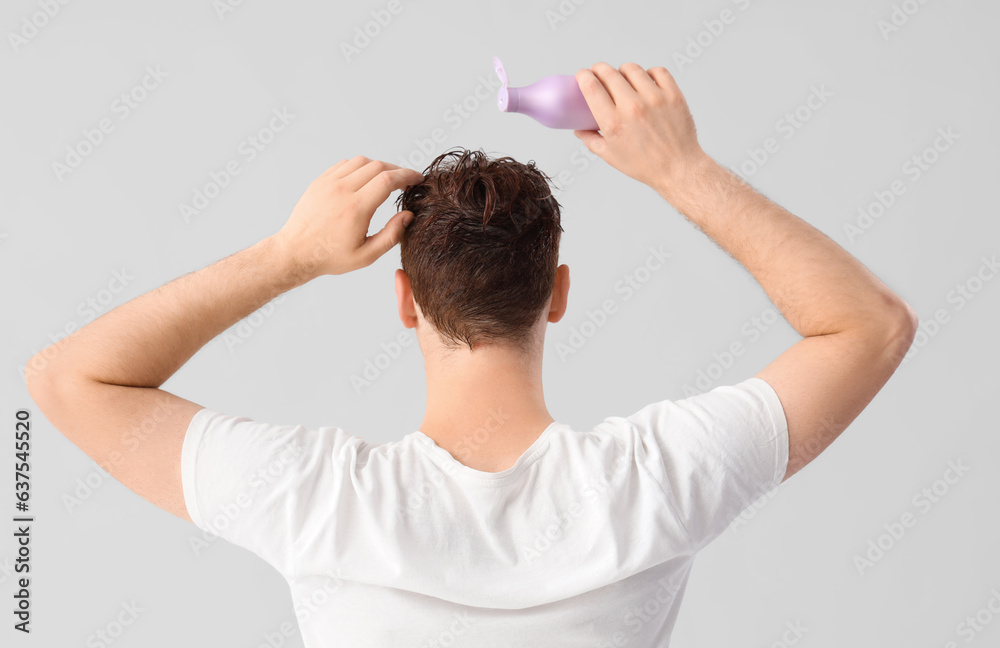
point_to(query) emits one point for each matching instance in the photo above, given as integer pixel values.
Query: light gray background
(794, 560)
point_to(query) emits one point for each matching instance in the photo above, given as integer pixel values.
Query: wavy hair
(482, 249)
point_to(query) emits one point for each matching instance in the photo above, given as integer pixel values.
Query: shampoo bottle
(554, 101)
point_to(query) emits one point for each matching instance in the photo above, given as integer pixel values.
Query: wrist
(291, 269)
(685, 180)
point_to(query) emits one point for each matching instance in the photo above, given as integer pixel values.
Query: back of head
(482, 250)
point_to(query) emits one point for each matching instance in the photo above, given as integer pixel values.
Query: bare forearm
(146, 340)
(648, 133)
(817, 285)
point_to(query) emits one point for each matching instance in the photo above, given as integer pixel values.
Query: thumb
(387, 237)
(593, 140)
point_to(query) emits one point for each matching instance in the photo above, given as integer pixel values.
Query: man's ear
(560, 294)
(404, 300)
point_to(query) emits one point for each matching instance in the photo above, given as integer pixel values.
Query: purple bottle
(555, 101)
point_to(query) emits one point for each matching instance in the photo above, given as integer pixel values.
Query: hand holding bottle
(646, 129)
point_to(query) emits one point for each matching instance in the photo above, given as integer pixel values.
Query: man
(494, 524)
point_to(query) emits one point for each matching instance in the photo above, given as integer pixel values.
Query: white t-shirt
(586, 541)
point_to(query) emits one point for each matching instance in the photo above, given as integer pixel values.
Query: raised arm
(100, 385)
(855, 328)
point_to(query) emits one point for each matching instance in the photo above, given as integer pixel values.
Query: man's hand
(647, 131)
(327, 233)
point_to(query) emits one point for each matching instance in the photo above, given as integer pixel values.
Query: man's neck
(485, 408)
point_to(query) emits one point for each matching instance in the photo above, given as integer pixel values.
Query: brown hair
(482, 249)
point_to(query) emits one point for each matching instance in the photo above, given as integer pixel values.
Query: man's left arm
(100, 386)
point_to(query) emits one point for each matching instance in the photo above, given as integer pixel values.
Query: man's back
(587, 539)
(480, 282)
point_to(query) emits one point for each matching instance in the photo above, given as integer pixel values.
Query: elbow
(57, 389)
(904, 319)
(912, 321)
(38, 380)
(34, 375)
(46, 384)
(900, 329)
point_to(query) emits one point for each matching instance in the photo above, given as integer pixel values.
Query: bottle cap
(507, 100)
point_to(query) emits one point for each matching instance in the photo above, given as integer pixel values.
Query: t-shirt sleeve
(716, 453)
(254, 484)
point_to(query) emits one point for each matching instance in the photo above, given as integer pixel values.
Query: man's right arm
(855, 329)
